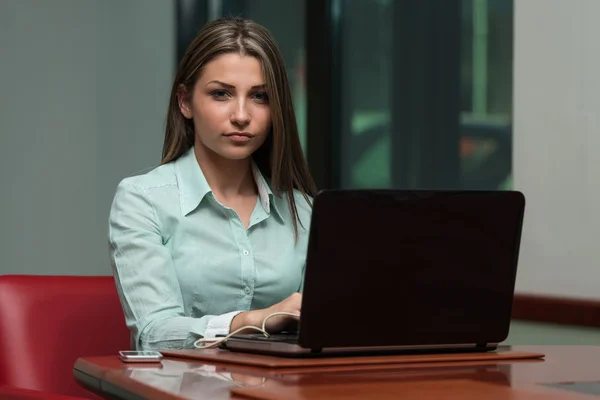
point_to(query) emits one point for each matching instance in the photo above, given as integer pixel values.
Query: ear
(183, 100)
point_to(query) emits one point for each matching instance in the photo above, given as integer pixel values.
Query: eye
(219, 94)
(261, 97)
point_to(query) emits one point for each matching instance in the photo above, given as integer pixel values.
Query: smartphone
(140, 356)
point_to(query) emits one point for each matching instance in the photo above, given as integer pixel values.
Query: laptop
(397, 271)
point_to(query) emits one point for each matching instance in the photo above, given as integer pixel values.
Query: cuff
(220, 324)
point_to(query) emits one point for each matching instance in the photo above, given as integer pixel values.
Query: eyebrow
(228, 86)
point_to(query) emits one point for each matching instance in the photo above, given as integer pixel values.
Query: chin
(236, 154)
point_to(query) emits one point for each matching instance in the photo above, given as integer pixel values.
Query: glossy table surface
(567, 372)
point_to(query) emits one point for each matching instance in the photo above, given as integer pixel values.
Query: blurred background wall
(84, 86)
(557, 145)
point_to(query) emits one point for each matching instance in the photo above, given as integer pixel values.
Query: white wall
(84, 86)
(557, 145)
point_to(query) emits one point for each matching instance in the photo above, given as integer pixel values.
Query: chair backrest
(13, 393)
(47, 322)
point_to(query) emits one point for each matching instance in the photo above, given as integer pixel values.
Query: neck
(226, 178)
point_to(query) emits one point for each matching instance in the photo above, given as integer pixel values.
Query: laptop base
(283, 349)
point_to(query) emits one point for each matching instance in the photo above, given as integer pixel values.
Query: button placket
(248, 263)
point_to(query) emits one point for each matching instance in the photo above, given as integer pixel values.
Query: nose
(240, 116)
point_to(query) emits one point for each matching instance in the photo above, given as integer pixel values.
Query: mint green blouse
(184, 264)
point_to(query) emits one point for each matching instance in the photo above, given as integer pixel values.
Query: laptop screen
(394, 267)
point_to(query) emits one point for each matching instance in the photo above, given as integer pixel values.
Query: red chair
(13, 393)
(47, 322)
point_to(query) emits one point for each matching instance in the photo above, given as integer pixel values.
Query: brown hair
(280, 158)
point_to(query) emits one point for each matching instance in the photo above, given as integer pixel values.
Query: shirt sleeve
(146, 280)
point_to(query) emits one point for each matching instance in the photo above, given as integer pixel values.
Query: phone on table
(140, 356)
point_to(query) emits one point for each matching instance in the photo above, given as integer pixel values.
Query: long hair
(280, 158)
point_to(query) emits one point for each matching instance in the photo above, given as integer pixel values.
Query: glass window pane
(486, 93)
(484, 145)
(366, 41)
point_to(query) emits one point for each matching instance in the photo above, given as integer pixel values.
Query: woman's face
(229, 107)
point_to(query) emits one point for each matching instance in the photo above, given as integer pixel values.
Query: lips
(239, 136)
(243, 134)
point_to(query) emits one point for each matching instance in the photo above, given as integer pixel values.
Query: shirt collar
(193, 186)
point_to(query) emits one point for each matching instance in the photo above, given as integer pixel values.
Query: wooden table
(565, 373)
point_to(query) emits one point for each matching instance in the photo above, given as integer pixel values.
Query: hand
(274, 324)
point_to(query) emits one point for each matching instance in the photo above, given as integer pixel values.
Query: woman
(214, 239)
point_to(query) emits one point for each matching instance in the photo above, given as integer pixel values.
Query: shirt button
(247, 290)
(245, 252)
